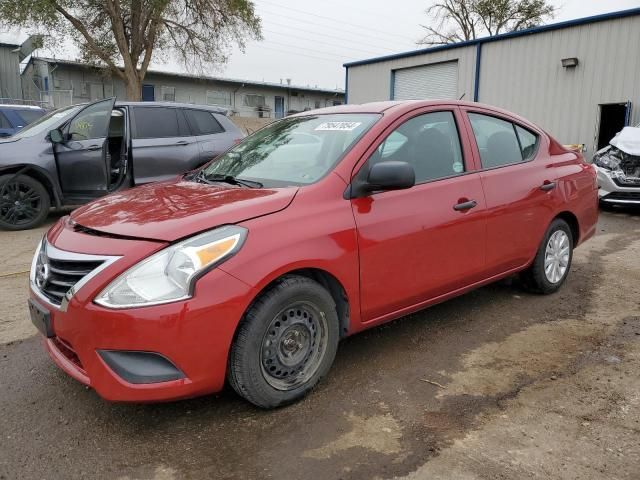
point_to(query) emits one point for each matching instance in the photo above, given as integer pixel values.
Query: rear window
(4, 123)
(29, 116)
(158, 122)
(202, 122)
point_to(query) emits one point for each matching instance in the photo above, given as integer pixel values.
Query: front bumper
(610, 192)
(192, 336)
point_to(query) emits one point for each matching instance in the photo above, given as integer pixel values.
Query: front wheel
(553, 260)
(24, 202)
(286, 343)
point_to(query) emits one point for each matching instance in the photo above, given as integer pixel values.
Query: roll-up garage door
(437, 81)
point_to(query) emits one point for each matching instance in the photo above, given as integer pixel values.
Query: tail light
(237, 141)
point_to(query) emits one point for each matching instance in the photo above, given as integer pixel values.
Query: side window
(496, 140)
(202, 122)
(429, 142)
(4, 123)
(158, 122)
(92, 122)
(528, 142)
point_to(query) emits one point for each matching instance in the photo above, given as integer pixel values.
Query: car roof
(21, 107)
(399, 107)
(211, 108)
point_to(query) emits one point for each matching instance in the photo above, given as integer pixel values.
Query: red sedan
(316, 227)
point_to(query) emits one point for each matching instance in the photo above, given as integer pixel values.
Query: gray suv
(79, 153)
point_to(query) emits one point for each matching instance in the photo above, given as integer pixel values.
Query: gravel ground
(529, 387)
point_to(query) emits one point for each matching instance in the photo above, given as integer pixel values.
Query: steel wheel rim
(557, 256)
(19, 203)
(293, 346)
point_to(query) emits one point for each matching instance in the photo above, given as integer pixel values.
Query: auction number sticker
(338, 126)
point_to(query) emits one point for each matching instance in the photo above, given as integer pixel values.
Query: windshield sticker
(337, 126)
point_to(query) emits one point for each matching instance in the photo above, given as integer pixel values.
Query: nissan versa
(252, 268)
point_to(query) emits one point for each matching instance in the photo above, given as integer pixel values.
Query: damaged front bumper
(618, 176)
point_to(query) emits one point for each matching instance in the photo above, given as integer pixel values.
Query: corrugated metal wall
(525, 75)
(369, 83)
(9, 73)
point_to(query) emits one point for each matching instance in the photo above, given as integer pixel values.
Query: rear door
(427, 241)
(519, 180)
(162, 144)
(212, 137)
(81, 158)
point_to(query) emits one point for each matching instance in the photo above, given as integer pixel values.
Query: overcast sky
(309, 40)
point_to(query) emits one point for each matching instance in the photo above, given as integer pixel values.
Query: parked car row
(83, 152)
(251, 269)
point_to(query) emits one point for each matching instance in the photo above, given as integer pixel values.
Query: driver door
(81, 158)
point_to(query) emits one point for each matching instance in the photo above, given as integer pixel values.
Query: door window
(92, 122)
(501, 142)
(528, 142)
(202, 122)
(158, 122)
(429, 142)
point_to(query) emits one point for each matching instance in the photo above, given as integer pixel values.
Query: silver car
(79, 153)
(618, 168)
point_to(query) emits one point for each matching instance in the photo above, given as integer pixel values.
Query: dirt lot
(530, 387)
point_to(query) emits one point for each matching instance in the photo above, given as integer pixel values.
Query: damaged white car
(618, 167)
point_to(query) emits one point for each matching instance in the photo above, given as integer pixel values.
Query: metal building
(58, 83)
(578, 79)
(10, 88)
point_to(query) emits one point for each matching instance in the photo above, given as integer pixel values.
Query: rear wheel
(24, 202)
(285, 344)
(553, 260)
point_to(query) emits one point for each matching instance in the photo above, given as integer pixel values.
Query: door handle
(182, 143)
(468, 205)
(548, 186)
(93, 148)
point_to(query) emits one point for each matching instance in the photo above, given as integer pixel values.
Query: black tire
(535, 278)
(24, 202)
(260, 341)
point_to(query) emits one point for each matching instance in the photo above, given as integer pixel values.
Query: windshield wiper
(230, 179)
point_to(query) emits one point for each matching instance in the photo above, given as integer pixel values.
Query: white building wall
(87, 84)
(524, 74)
(372, 82)
(9, 73)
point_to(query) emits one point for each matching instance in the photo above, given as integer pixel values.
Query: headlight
(170, 274)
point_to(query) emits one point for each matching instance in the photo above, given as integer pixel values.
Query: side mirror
(56, 136)
(389, 175)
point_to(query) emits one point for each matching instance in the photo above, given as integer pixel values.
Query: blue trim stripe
(392, 86)
(476, 84)
(346, 86)
(503, 36)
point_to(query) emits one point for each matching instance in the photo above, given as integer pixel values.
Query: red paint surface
(393, 252)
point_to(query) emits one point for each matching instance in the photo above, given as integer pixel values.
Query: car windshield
(48, 122)
(293, 151)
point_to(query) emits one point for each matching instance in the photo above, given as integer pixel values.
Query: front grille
(59, 273)
(63, 275)
(632, 182)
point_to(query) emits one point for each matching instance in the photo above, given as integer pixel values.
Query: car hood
(172, 210)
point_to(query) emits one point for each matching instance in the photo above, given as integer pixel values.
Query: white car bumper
(611, 192)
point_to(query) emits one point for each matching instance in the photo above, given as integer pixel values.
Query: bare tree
(125, 36)
(460, 20)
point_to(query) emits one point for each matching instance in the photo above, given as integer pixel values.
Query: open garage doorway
(613, 118)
